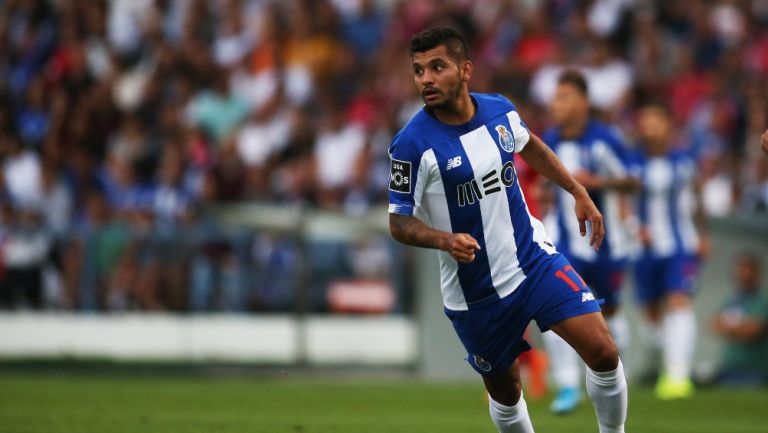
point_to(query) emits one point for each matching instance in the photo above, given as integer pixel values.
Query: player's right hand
(462, 247)
(587, 211)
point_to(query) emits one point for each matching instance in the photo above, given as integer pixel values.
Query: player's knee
(507, 393)
(605, 357)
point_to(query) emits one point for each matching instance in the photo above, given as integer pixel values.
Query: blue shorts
(656, 277)
(492, 333)
(604, 277)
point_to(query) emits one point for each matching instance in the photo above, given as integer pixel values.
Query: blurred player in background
(452, 165)
(671, 218)
(764, 141)
(595, 154)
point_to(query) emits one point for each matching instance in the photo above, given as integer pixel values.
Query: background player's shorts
(492, 332)
(656, 277)
(604, 277)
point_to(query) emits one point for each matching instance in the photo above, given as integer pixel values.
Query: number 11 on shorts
(563, 274)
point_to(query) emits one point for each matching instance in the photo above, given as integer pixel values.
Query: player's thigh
(505, 387)
(588, 334)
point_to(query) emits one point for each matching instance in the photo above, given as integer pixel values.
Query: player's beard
(451, 97)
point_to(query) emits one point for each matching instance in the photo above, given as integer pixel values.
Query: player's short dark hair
(435, 36)
(576, 79)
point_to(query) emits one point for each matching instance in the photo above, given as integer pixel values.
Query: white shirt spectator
(22, 178)
(125, 21)
(229, 49)
(336, 155)
(256, 89)
(257, 141)
(608, 83)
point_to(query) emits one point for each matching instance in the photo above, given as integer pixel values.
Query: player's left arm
(539, 156)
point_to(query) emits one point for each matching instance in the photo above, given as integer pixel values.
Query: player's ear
(466, 70)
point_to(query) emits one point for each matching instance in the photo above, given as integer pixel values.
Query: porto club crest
(481, 363)
(506, 140)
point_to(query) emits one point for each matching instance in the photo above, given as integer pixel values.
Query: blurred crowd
(122, 119)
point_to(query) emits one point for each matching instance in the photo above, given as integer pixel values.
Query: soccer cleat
(567, 400)
(667, 389)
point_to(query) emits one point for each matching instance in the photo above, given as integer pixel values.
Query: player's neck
(459, 113)
(574, 129)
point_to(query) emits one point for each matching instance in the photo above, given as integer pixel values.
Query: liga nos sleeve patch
(400, 176)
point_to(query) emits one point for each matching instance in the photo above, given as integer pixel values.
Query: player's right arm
(407, 181)
(412, 231)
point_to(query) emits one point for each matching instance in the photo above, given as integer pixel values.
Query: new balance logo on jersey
(587, 296)
(472, 191)
(453, 163)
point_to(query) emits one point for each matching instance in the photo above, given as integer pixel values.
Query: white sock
(564, 361)
(619, 328)
(608, 391)
(678, 339)
(511, 419)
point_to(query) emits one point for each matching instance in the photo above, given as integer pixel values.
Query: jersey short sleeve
(404, 161)
(519, 130)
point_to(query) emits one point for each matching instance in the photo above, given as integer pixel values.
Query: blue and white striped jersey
(462, 179)
(599, 151)
(666, 203)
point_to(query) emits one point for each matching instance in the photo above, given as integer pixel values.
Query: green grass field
(104, 404)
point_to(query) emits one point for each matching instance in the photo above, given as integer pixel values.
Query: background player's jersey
(666, 203)
(461, 179)
(599, 151)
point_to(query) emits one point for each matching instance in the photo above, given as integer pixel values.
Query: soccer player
(453, 187)
(595, 155)
(667, 264)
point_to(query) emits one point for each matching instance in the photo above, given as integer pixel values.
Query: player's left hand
(587, 211)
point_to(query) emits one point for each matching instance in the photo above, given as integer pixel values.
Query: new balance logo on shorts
(587, 296)
(453, 163)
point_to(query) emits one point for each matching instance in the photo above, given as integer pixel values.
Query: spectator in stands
(26, 247)
(743, 324)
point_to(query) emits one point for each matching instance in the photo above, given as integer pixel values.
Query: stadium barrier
(256, 339)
